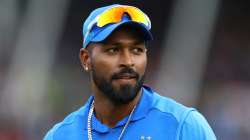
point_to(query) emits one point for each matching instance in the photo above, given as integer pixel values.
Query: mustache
(125, 72)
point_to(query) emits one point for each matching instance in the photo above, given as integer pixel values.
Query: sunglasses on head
(115, 14)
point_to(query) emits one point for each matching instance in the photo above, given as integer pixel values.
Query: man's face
(118, 65)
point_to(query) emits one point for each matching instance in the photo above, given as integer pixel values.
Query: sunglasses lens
(114, 15)
(137, 15)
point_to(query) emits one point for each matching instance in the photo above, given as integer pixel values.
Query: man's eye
(138, 50)
(112, 50)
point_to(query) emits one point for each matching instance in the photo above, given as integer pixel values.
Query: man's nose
(127, 59)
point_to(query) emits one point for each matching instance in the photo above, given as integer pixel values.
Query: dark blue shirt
(155, 118)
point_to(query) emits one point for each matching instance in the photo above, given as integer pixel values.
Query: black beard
(123, 94)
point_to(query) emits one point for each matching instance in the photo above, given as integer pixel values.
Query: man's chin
(123, 94)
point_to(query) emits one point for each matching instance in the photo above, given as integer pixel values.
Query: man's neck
(109, 113)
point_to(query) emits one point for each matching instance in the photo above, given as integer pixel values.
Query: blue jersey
(155, 118)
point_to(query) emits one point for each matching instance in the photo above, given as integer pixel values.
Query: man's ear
(84, 56)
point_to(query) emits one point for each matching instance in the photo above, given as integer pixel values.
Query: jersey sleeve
(196, 127)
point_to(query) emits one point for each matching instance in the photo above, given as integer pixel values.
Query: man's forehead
(125, 33)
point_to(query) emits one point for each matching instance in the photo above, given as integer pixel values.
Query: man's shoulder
(196, 126)
(169, 106)
(70, 121)
(189, 119)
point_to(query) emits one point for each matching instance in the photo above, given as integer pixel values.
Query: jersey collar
(141, 111)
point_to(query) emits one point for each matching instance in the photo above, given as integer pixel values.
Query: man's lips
(125, 76)
(125, 79)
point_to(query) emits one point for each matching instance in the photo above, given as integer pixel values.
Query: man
(115, 55)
